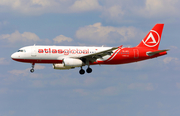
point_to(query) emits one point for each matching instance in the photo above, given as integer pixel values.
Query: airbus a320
(69, 57)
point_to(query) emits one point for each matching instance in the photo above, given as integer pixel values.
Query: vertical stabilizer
(153, 38)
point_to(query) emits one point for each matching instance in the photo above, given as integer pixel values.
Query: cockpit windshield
(21, 50)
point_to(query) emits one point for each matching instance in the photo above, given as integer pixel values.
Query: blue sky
(145, 88)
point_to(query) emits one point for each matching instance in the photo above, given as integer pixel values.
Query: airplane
(69, 57)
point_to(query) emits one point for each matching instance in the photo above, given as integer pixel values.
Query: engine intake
(68, 63)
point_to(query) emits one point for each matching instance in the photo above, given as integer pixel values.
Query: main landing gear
(88, 70)
(32, 70)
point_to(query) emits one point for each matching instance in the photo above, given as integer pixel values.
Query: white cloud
(172, 63)
(148, 65)
(2, 23)
(3, 90)
(178, 85)
(39, 67)
(3, 61)
(141, 86)
(142, 77)
(174, 47)
(89, 81)
(38, 7)
(110, 91)
(171, 59)
(119, 11)
(26, 72)
(81, 92)
(38, 83)
(18, 37)
(11, 112)
(20, 72)
(114, 13)
(67, 80)
(32, 7)
(31, 38)
(85, 5)
(62, 38)
(160, 8)
(97, 33)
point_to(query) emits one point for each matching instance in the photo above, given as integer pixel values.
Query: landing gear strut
(88, 70)
(32, 70)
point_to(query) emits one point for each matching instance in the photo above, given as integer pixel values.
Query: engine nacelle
(71, 62)
(60, 67)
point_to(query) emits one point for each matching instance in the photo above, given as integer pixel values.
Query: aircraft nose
(14, 56)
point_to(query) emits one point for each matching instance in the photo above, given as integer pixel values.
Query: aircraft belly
(49, 61)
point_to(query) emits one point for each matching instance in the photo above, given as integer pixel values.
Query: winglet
(120, 46)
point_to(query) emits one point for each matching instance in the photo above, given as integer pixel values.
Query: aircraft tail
(153, 38)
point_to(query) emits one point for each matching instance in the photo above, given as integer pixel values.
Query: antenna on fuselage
(34, 44)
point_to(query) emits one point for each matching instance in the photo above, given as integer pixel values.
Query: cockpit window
(21, 50)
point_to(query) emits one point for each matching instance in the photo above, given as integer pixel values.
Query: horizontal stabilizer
(156, 52)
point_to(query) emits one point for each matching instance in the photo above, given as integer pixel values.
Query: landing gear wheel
(81, 72)
(88, 70)
(32, 70)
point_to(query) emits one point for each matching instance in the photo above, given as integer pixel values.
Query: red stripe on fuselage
(38, 61)
(112, 55)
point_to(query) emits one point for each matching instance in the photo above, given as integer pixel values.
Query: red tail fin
(153, 38)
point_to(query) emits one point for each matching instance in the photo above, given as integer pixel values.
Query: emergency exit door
(136, 53)
(33, 51)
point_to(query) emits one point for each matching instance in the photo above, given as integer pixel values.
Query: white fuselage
(55, 53)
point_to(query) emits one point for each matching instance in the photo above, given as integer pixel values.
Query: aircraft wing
(156, 52)
(93, 57)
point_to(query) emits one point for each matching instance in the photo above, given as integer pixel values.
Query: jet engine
(68, 63)
(60, 67)
(71, 62)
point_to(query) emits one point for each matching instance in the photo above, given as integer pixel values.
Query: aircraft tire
(89, 70)
(81, 72)
(32, 70)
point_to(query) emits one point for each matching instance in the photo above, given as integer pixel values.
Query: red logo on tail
(152, 39)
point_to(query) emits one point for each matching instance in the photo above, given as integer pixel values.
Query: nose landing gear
(32, 70)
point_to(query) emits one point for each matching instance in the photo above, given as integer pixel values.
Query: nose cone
(14, 56)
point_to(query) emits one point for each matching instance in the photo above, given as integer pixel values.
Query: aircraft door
(33, 51)
(136, 53)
